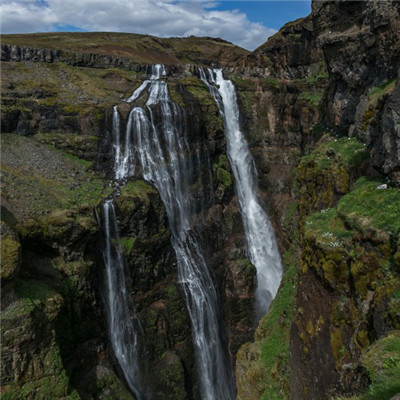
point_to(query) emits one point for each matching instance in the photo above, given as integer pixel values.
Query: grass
(141, 49)
(378, 91)
(312, 98)
(79, 91)
(37, 178)
(274, 332)
(315, 77)
(347, 151)
(327, 228)
(127, 244)
(367, 208)
(137, 188)
(382, 361)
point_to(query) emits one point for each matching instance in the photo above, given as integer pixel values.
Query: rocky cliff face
(51, 218)
(353, 47)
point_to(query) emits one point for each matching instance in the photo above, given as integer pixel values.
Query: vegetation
(382, 361)
(313, 98)
(347, 151)
(368, 208)
(141, 49)
(275, 331)
(48, 179)
(379, 91)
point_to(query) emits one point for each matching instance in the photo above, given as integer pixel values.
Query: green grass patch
(382, 361)
(367, 208)
(274, 332)
(54, 387)
(328, 229)
(30, 294)
(312, 98)
(378, 91)
(137, 188)
(127, 244)
(347, 151)
(315, 77)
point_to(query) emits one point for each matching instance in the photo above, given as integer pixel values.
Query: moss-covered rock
(10, 252)
(328, 173)
(349, 250)
(32, 366)
(262, 367)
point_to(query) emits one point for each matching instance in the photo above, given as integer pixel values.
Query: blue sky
(245, 23)
(273, 14)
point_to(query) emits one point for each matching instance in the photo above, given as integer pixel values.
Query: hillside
(139, 49)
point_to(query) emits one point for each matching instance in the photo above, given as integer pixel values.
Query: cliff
(343, 59)
(320, 108)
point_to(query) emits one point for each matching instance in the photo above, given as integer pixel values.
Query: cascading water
(123, 330)
(156, 137)
(261, 243)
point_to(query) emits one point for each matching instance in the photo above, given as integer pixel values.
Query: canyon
(318, 107)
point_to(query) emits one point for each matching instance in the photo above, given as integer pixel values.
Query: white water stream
(261, 243)
(123, 329)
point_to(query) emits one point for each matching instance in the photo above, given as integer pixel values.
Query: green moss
(32, 294)
(54, 387)
(10, 256)
(317, 77)
(172, 379)
(312, 98)
(224, 177)
(34, 290)
(197, 88)
(378, 91)
(127, 244)
(74, 147)
(137, 188)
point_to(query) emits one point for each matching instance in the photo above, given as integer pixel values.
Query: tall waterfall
(261, 243)
(123, 330)
(156, 137)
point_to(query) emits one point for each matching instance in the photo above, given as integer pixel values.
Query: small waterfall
(156, 139)
(261, 243)
(123, 330)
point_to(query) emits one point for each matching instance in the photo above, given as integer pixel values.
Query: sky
(245, 23)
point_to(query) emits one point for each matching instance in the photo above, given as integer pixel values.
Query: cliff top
(141, 49)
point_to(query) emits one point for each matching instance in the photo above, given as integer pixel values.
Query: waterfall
(261, 243)
(123, 330)
(156, 139)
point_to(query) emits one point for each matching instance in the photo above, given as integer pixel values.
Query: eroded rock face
(361, 46)
(60, 248)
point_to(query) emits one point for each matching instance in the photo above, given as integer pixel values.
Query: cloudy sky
(245, 23)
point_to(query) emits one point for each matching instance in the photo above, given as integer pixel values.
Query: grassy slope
(143, 49)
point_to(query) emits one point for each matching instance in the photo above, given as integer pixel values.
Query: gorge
(160, 195)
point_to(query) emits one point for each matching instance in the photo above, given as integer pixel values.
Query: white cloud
(162, 18)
